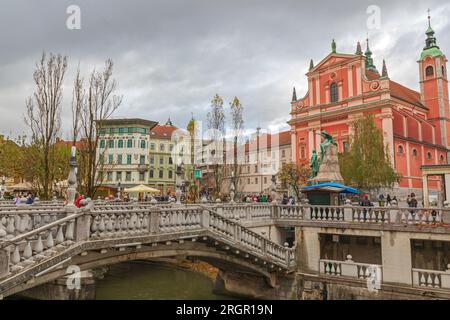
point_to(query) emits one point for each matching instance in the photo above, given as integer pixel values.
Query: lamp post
(179, 182)
(118, 190)
(72, 180)
(274, 189)
(3, 188)
(232, 187)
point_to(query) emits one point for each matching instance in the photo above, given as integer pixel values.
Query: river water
(147, 281)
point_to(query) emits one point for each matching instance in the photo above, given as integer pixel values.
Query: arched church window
(429, 71)
(400, 149)
(443, 71)
(441, 158)
(334, 97)
(414, 153)
(429, 156)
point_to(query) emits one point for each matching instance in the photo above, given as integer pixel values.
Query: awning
(141, 188)
(24, 186)
(331, 186)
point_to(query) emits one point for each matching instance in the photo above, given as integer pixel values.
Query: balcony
(142, 167)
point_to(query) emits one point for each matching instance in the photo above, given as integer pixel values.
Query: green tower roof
(431, 47)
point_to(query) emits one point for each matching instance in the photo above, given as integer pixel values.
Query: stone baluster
(155, 220)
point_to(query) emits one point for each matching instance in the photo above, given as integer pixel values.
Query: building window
(142, 159)
(111, 144)
(110, 159)
(170, 174)
(283, 153)
(443, 71)
(141, 176)
(170, 160)
(151, 173)
(256, 180)
(109, 176)
(265, 180)
(142, 144)
(119, 159)
(414, 153)
(128, 176)
(429, 71)
(429, 156)
(248, 180)
(161, 160)
(152, 159)
(102, 144)
(442, 158)
(129, 143)
(256, 168)
(302, 153)
(161, 174)
(120, 144)
(121, 130)
(400, 149)
(152, 146)
(334, 97)
(128, 158)
(119, 175)
(171, 147)
(161, 147)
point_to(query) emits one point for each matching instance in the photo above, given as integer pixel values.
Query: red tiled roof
(284, 139)
(163, 131)
(399, 91)
(370, 75)
(403, 93)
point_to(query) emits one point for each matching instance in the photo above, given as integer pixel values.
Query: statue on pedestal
(328, 140)
(314, 164)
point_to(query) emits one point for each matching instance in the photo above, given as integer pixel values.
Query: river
(148, 281)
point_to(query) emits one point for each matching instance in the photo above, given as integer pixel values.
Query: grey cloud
(171, 57)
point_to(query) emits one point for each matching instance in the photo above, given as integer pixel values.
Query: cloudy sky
(171, 57)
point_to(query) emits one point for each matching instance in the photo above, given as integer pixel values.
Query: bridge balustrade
(431, 278)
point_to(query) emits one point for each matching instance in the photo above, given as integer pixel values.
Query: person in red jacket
(77, 202)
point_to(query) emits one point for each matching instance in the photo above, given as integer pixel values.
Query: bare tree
(78, 99)
(216, 125)
(43, 115)
(237, 125)
(93, 105)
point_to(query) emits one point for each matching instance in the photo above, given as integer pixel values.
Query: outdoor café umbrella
(141, 188)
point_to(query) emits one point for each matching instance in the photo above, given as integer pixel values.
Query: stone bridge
(335, 252)
(39, 243)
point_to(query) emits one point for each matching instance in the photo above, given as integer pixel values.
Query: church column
(350, 81)
(408, 165)
(310, 142)
(294, 146)
(388, 134)
(317, 90)
(426, 202)
(310, 92)
(358, 80)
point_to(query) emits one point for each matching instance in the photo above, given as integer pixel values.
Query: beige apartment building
(135, 151)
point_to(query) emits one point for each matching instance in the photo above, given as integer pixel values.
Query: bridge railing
(346, 213)
(14, 222)
(431, 278)
(349, 269)
(29, 248)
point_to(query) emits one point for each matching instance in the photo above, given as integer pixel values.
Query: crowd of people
(257, 198)
(20, 198)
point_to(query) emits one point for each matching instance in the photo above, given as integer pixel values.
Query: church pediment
(332, 60)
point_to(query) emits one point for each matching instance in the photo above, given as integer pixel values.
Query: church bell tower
(434, 86)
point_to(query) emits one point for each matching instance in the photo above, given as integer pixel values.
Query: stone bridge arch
(222, 256)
